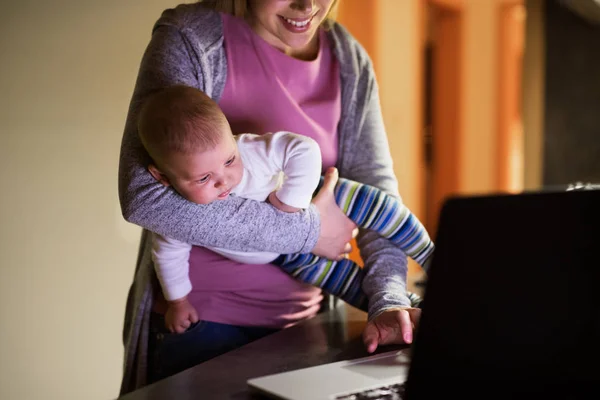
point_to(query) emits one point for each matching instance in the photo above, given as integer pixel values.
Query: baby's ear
(159, 176)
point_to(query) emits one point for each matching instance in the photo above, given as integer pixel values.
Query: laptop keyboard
(388, 392)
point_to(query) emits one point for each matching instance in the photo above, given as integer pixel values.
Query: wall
(478, 149)
(400, 70)
(66, 254)
(572, 121)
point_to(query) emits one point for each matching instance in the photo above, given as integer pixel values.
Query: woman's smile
(297, 25)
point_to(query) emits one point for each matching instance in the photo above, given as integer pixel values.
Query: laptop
(511, 310)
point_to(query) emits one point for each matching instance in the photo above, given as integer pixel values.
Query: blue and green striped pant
(370, 208)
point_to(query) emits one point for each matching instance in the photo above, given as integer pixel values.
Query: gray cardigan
(187, 48)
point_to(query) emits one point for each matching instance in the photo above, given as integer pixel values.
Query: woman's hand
(336, 228)
(391, 327)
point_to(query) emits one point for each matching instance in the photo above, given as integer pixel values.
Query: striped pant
(373, 209)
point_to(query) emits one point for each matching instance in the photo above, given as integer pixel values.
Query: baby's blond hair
(180, 119)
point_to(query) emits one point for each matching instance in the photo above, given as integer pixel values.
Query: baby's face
(206, 176)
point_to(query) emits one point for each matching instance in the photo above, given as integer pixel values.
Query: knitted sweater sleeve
(365, 157)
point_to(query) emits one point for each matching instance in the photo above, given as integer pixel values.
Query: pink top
(267, 91)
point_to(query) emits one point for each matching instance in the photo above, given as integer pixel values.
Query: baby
(193, 150)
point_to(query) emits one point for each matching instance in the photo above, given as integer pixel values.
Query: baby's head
(190, 143)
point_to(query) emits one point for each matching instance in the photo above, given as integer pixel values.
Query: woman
(273, 66)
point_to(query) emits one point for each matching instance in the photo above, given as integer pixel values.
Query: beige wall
(399, 71)
(479, 146)
(66, 254)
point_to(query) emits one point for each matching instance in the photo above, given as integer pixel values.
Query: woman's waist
(251, 308)
(229, 292)
(210, 272)
(262, 309)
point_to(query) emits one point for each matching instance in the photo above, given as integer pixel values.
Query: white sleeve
(171, 263)
(299, 157)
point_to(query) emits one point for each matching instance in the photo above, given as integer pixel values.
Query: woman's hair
(239, 8)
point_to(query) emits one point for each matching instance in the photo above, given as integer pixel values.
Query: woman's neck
(308, 53)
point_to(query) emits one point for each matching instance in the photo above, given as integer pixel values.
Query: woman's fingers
(406, 327)
(345, 254)
(348, 248)
(330, 180)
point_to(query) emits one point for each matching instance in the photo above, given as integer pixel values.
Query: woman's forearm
(236, 223)
(385, 264)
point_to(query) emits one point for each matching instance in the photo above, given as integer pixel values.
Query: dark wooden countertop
(331, 336)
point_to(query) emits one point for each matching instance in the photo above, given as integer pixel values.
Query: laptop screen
(512, 300)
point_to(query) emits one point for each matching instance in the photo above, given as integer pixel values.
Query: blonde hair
(239, 8)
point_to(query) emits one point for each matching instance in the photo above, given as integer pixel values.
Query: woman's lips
(297, 25)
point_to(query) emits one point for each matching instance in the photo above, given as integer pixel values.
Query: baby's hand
(180, 315)
(279, 205)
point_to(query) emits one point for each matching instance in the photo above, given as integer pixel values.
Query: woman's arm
(386, 265)
(366, 158)
(236, 223)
